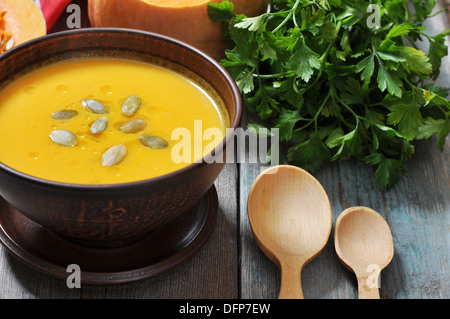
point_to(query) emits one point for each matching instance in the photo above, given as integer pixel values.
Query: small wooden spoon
(363, 242)
(290, 216)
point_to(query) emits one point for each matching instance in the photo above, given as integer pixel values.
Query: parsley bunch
(336, 84)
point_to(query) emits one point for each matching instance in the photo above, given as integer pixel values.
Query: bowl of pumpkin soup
(109, 134)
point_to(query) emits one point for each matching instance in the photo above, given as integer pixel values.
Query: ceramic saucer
(160, 251)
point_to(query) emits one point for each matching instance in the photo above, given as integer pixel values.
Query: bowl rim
(234, 123)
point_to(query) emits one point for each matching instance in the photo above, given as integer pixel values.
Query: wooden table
(231, 265)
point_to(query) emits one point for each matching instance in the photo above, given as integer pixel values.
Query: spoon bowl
(290, 216)
(364, 244)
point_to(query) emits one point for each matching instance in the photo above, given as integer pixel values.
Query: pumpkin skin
(20, 19)
(185, 20)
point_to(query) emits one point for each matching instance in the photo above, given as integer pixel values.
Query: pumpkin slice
(185, 20)
(20, 21)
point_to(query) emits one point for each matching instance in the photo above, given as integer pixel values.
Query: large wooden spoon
(363, 242)
(290, 216)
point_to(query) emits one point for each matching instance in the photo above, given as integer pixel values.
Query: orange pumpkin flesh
(185, 20)
(20, 21)
(6, 39)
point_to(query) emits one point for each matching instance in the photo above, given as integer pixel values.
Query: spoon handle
(367, 290)
(291, 286)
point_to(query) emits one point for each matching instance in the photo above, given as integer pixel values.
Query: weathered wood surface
(231, 265)
(417, 210)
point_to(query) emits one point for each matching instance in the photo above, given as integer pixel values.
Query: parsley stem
(272, 76)
(411, 41)
(436, 13)
(342, 119)
(357, 117)
(291, 11)
(414, 87)
(425, 35)
(303, 91)
(314, 119)
(322, 60)
(331, 44)
(325, 100)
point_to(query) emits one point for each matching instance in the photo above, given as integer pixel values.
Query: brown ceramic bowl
(116, 214)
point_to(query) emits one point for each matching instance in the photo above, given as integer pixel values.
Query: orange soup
(102, 121)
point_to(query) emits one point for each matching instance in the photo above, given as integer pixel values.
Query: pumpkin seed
(131, 105)
(132, 126)
(99, 125)
(63, 137)
(94, 106)
(153, 141)
(114, 155)
(64, 114)
(9, 44)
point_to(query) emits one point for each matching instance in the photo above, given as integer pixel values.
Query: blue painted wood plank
(417, 210)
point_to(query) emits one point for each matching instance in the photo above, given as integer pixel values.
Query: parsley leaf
(431, 127)
(221, 11)
(286, 122)
(388, 79)
(311, 154)
(304, 60)
(437, 51)
(389, 170)
(407, 116)
(417, 60)
(336, 85)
